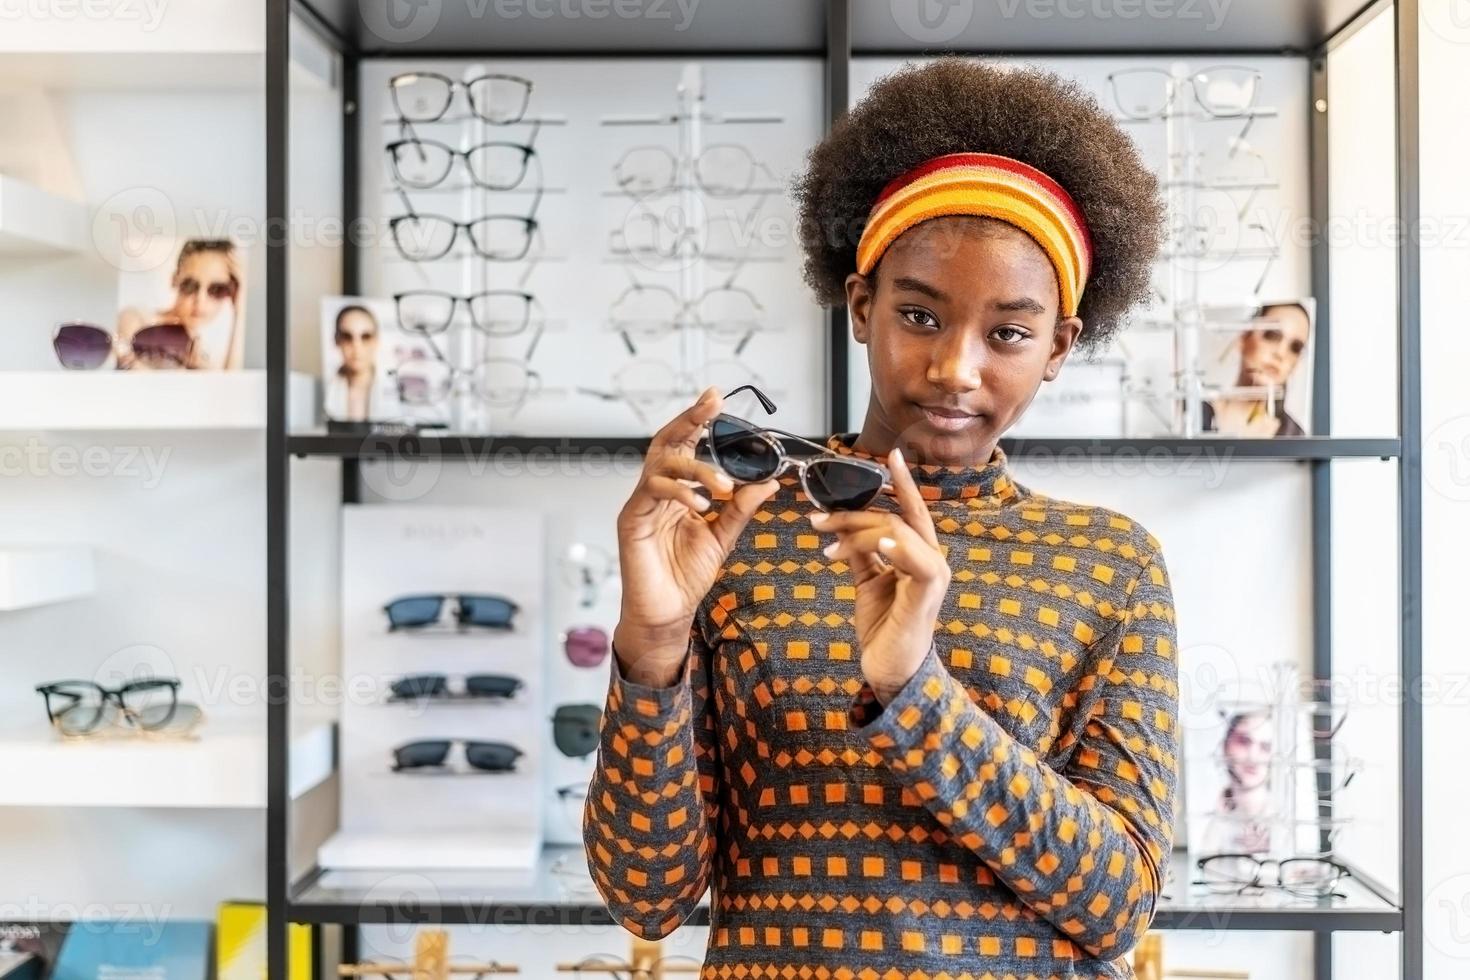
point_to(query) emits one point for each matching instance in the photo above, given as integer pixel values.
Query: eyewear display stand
(833, 32)
(1193, 244)
(430, 962)
(646, 962)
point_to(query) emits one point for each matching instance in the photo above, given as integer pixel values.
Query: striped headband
(991, 186)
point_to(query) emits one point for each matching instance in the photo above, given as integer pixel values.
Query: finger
(738, 512)
(689, 468)
(667, 488)
(905, 549)
(683, 430)
(910, 502)
(852, 520)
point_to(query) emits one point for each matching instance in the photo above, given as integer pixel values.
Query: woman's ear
(859, 305)
(1063, 339)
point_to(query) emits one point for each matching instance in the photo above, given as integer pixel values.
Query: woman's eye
(1010, 335)
(920, 318)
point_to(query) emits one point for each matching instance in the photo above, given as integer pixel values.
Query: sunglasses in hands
(749, 453)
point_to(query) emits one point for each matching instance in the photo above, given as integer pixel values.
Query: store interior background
(181, 564)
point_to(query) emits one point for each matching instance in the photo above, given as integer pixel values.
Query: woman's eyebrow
(1023, 304)
(919, 286)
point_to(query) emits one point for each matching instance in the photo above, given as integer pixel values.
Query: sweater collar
(990, 481)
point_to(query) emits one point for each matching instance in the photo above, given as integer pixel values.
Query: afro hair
(955, 105)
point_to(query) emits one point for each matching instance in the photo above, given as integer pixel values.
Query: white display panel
(472, 818)
(588, 109)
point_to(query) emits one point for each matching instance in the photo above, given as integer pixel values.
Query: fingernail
(818, 518)
(725, 481)
(897, 455)
(831, 549)
(701, 502)
(886, 544)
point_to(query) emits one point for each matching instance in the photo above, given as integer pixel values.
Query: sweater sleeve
(1084, 846)
(649, 823)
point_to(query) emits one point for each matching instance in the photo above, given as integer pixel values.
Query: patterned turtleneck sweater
(1009, 812)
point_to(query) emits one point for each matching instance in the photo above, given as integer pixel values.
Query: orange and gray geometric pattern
(1007, 814)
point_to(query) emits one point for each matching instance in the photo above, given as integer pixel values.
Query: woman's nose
(956, 363)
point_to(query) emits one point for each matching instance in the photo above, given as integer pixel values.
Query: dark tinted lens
(839, 485)
(414, 610)
(485, 610)
(742, 453)
(575, 729)
(416, 754)
(491, 756)
(491, 685)
(419, 686)
(81, 346)
(166, 344)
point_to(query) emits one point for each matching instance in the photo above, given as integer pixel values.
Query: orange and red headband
(990, 186)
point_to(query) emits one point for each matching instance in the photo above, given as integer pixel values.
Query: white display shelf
(496, 848)
(224, 768)
(32, 576)
(35, 222)
(145, 400)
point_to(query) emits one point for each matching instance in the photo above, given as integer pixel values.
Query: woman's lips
(946, 419)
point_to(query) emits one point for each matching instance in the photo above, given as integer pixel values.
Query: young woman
(935, 737)
(208, 300)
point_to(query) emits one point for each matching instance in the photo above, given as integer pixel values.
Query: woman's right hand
(669, 554)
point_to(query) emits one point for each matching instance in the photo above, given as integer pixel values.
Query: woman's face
(1269, 353)
(203, 285)
(961, 328)
(357, 339)
(1248, 752)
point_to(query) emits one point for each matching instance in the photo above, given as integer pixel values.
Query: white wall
(1444, 40)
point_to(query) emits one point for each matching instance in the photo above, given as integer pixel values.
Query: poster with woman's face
(193, 304)
(1258, 372)
(364, 352)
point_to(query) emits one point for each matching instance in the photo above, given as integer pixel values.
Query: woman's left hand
(898, 601)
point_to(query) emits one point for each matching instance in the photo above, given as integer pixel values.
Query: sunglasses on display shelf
(575, 729)
(495, 237)
(434, 754)
(83, 346)
(424, 164)
(416, 612)
(749, 453)
(150, 705)
(425, 96)
(585, 646)
(472, 687)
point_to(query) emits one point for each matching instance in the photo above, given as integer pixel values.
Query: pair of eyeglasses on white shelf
(720, 170)
(731, 314)
(1244, 874)
(669, 233)
(494, 97)
(493, 312)
(424, 164)
(650, 386)
(502, 383)
(1220, 92)
(421, 237)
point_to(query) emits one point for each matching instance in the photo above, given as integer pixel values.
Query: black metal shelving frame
(1400, 911)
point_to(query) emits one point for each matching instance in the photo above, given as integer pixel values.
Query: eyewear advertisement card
(181, 309)
(452, 631)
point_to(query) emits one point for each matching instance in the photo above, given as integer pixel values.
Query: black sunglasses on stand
(749, 453)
